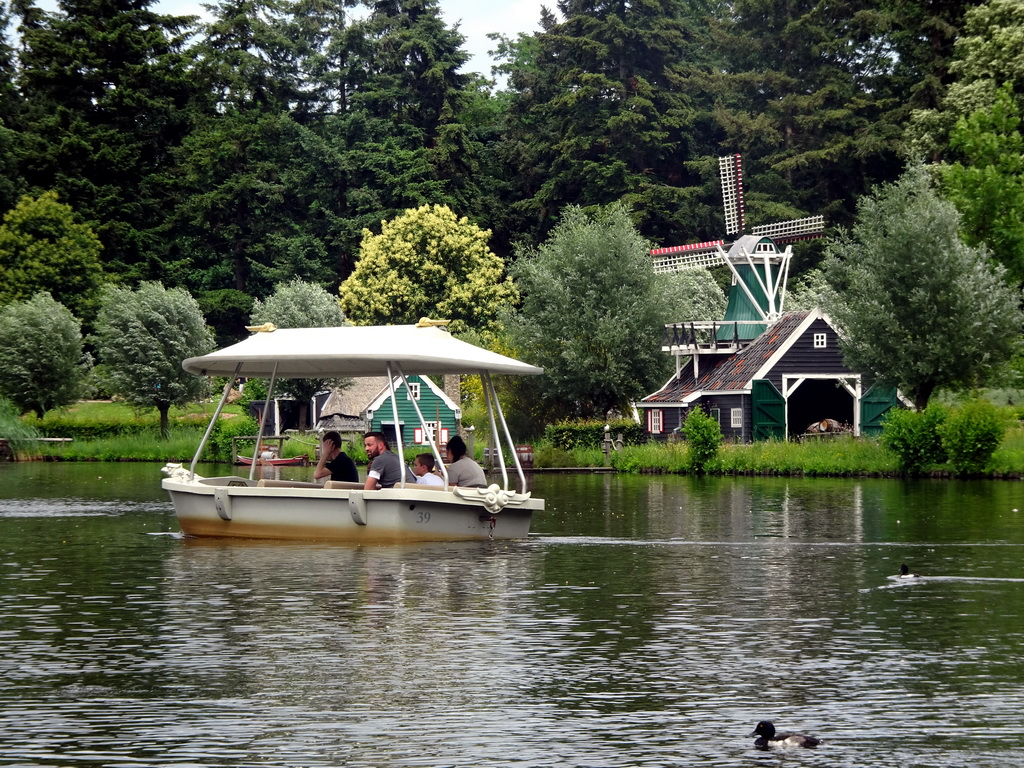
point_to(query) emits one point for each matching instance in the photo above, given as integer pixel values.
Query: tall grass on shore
(144, 445)
(102, 438)
(845, 455)
(1009, 456)
(20, 437)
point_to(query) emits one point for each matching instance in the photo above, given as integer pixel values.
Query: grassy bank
(123, 434)
(839, 457)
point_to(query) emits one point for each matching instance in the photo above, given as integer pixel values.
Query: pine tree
(10, 118)
(403, 129)
(255, 181)
(806, 96)
(601, 110)
(105, 89)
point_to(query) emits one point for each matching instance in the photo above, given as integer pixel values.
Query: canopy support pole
(213, 422)
(492, 397)
(423, 424)
(398, 425)
(263, 422)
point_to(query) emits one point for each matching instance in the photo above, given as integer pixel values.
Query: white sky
(476, 18)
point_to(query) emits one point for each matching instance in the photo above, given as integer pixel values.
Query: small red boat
(292, 461)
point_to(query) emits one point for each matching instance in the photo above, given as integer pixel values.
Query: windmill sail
(730, 169)
(714, 252)
(678, 258)
(793, 230)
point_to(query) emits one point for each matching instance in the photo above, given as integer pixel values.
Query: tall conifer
(602, 110)
(105, 90)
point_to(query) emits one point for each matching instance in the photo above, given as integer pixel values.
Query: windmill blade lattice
(709, 254)
(730, 169)
(681, 257)
(792, 230)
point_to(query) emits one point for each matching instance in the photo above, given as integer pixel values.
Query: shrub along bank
(971, 440)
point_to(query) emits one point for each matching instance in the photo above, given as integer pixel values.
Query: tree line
(226, 155)
(278, 140)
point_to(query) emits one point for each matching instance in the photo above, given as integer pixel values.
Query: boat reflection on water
(344, 622)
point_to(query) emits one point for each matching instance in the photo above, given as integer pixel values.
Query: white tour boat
(235, 506)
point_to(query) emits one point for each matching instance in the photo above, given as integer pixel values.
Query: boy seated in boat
(423, 468)
(385, 467)
(334, 463)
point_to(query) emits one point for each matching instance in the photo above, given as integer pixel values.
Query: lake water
(647, 621)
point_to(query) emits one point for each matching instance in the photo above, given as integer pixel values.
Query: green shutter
(769, 411)
(874, 405)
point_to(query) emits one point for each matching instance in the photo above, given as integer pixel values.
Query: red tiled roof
(730, 373)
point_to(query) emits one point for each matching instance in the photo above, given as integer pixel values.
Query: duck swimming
(905, 572)
(767, 738)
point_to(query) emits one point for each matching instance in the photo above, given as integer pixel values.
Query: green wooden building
(439, 413)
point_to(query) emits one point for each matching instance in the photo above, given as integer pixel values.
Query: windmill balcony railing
(721, 336)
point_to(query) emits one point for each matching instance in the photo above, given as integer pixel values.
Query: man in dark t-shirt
(334, 463)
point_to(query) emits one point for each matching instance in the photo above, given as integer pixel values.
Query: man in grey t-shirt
(385, 467)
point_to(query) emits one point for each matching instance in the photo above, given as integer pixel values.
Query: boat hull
(235, 507)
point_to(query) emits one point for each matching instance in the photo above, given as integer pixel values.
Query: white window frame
(421, 437)
(716, 414)
(656, 421)
(820, 340)
(736, 418)
(413, 393)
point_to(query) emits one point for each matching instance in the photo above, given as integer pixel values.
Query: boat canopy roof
(314, 353)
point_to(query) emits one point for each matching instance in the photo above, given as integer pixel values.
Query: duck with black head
(905, 572)
(767, 738)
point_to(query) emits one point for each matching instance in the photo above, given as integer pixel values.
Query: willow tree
(591, 314)
(298, 304)
(919, 309)
(42, 364)
(142, 336)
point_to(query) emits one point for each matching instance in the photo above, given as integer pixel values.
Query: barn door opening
(874, 406)
(769, 411)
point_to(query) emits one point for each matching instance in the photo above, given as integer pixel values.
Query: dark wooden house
(760, 372)
(777, 385)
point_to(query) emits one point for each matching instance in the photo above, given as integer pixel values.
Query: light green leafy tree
(807, 291)
(428, 263)
(986, 57)
(299, 304)
(591, 315)
(917, 307)
(142, 336)
(44, 248)
(42, 365)
(987, 183)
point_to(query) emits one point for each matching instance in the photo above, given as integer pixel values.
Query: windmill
(759, 267)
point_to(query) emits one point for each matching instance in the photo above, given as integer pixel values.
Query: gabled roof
(352, 399)
(734, 373)
(385, 392)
